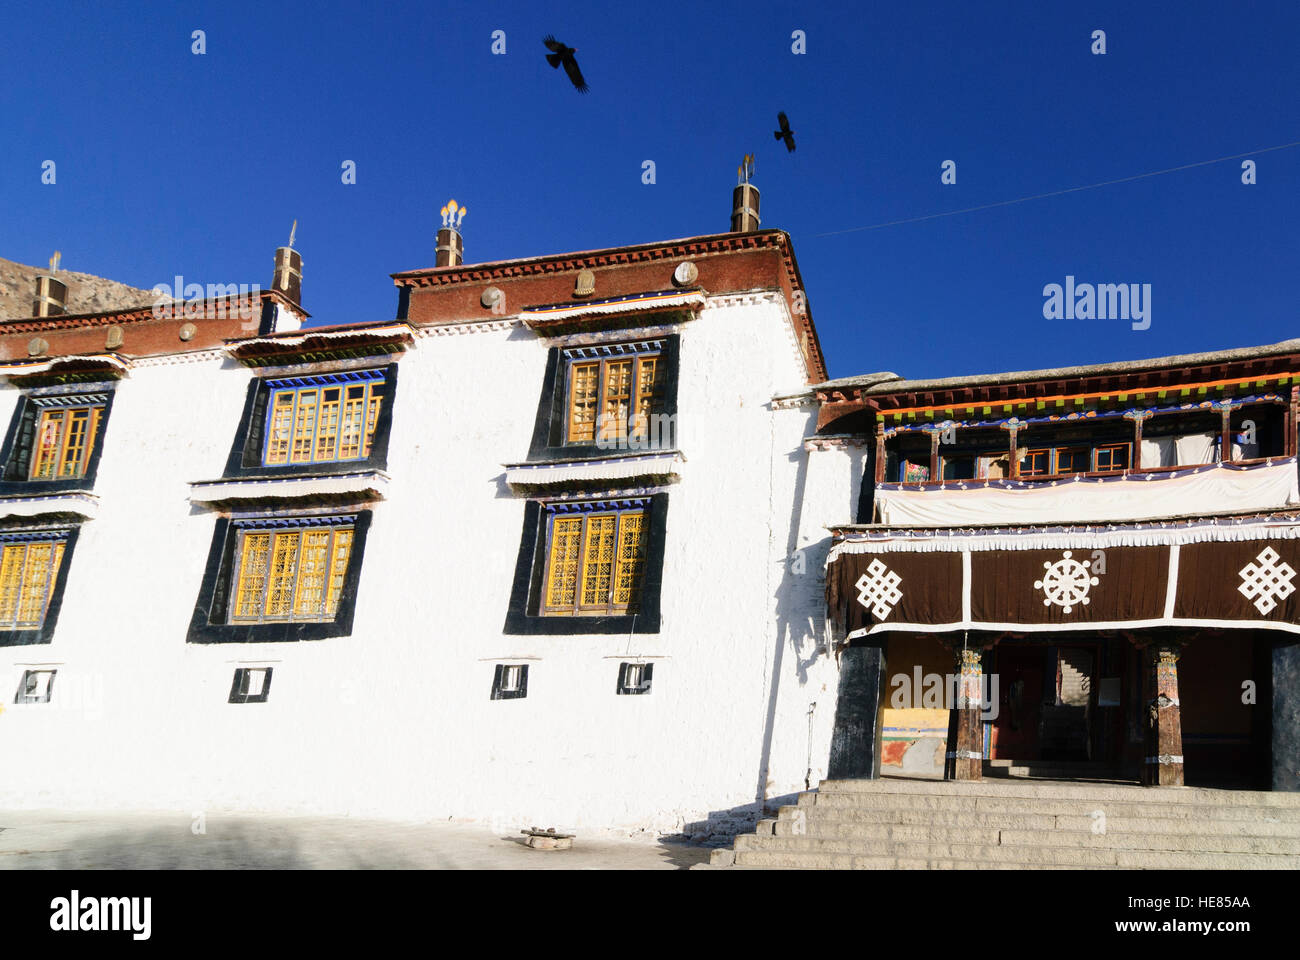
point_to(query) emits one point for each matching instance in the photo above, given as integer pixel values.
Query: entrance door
(1020, 701)
(1067, 709)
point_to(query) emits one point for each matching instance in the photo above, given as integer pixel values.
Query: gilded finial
(54, 262)
(452, 214)
(746, 169)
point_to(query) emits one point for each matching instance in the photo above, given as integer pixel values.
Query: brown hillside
(86, 292)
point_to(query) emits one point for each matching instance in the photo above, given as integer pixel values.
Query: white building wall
(396, 719)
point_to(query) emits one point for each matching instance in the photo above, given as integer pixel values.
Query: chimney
(288, 272)
(451, 248)
(744, 199)
(51, 297)
(51, 294)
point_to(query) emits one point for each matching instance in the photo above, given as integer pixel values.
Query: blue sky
(169, 163)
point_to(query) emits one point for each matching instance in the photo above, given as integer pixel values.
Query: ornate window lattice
(293, 573)
(612, 398)
(323, 418)
(595, 561)
(28, 570)
(65, 436)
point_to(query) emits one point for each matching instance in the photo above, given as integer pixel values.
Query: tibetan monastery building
(590, 540)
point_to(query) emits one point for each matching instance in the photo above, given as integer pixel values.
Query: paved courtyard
(36, 839)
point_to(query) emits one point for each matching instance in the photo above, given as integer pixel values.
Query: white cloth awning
(630, 304)
(664, 464)
(79, 503)
(368, 483)
(1204, 490)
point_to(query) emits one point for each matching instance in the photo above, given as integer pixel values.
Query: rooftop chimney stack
(744, 199)
(288, 269)
(451, 248)
(51, 294)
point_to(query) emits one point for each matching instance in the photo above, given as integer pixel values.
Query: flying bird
(564, 55)
(785, 133)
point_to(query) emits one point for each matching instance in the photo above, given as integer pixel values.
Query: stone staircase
(898, 824)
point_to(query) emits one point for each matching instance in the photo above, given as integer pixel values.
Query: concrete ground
(45, 839)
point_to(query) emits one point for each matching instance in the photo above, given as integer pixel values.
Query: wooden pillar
(1138, 417)
(1163, 764)
(1225, 437)
(1013, 428)
(934, 455)
(965, 759)
(1293, 423)
(880, 450)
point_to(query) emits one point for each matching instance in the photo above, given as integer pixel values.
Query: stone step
(774, 862)
(1063, 791)
(826, 822)
(1194, 842)
(866, 854)
(844, 802)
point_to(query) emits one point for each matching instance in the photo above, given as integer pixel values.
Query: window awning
(109, 365)
(361, 485)
(1235, 575)
(661, 466)
(557, 314)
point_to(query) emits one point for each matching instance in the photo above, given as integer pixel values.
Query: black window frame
(524, 615)
(239, 686)
(245, 459)
(21, 695)
(624, 688)
(19, 442)
(210, 621)
(551, 424)
(498, 677)
(45, 632)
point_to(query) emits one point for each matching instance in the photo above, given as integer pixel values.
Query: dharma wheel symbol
(1066, 582)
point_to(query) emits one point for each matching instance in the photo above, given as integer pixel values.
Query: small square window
(959, 467)
(36, 686)
(510, 682)
(251, 685)
(634, 678)
(1112, 458)
(1036, 463)
(1072, 460)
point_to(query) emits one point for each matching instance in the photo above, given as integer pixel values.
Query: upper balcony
(1201, 435)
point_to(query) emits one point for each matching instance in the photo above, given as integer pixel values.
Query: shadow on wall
(721, 826)
(800, 608)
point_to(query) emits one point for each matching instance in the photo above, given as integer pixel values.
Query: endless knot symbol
(1267, 580)
(878, 589)
(1066, 582)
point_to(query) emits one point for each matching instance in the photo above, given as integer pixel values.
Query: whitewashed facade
(395, 718)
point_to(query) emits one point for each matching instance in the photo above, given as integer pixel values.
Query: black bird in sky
(564, 55)
(785, 133)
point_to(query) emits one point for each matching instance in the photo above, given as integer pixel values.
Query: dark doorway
(1045, 701)
(1019, 669)
(1067, 709)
